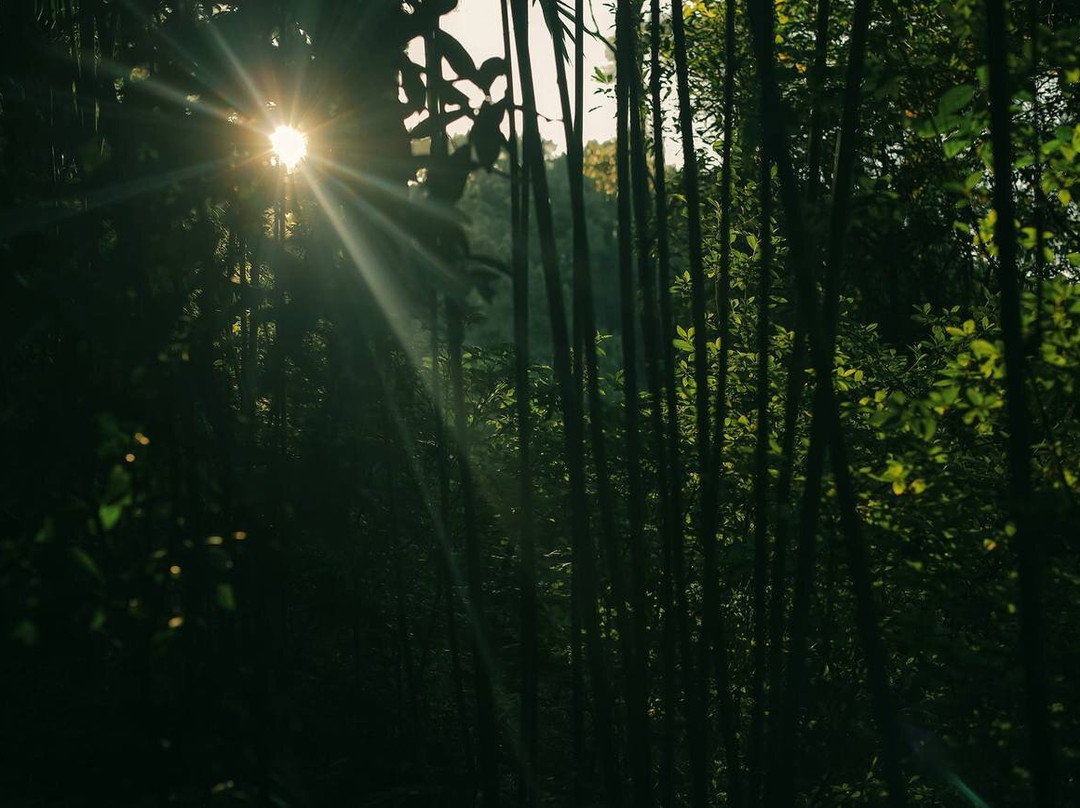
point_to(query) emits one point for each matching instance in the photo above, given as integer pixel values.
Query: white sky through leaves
(477, 24)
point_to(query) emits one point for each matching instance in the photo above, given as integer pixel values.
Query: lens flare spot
(289, 146)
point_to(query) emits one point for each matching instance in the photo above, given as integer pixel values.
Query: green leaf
(225, 598)
(454, 53)
(955, 99)
(488, 71)
(925, 128)
(110, 514)
(485, 135)
(954, 145)
(47, 531)
(880, 417)
(949, 392)
(413, 84)
(84, 560)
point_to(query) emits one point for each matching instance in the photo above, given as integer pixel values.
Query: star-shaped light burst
(289, 146)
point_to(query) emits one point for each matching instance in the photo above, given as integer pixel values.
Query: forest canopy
(363, 446)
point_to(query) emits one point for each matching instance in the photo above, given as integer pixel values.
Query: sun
(289, 146)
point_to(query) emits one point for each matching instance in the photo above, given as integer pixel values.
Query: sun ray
(442, 531)
(258, 98)
(396, 191)
(442, 534)
(17, 220)
(163, 90)
(447, 277)
(380, 284)
(363, 258)
(190, 59)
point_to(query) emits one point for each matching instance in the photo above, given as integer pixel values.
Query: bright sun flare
(289, 146)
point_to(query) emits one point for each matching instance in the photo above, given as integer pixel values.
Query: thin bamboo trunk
(633, 192)
(697, 702)
(584, 348)
(1027, 540)
(728, 711)
(761, 482)
(487, 735)
(796, 382)
(826, 428)
(528, 793)
(407, 671)
(817, 84)
(438, 150)
(586, 360)
(570, 399)
(672, 517)
(714, 634)
(447, 549)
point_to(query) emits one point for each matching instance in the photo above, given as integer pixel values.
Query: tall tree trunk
(723, 314)
(796, 373)
(585, 317)
(279, 398)
(1026, 539)
(485, 702)
(633, 188)
(714, 634)
(672, 517)
(251, 367)
(439, 150)
(697, 702)
(761, 482)
(1038, 202)
(447, 554)
(826, 422)
(796, 382)
(570, 398)
(242, 374)
(817, 86)
(583, 294)
(528, 793)
(408, 705)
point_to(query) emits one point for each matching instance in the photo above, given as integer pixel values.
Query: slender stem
(1027, 540)
(528, 791)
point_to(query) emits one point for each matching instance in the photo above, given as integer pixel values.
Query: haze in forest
(375, 434)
